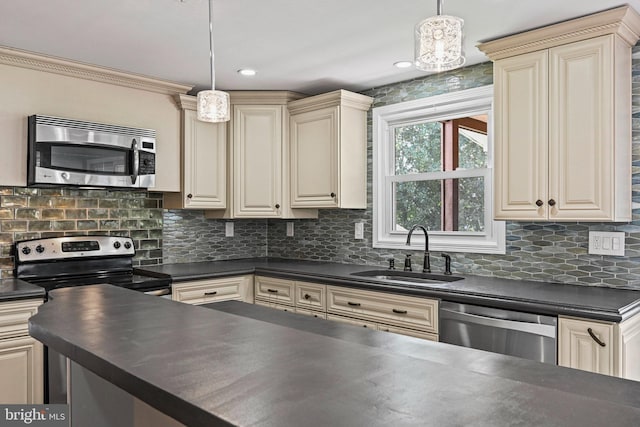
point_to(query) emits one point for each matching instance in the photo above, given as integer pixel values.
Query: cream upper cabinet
(563, 119)
(204, 162)
(328, 158)
(258, 162)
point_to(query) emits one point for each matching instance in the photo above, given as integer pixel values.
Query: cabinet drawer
(208, 291)
(396, 310)
(275, 290)
(351, 321)
(311, 296)
(14, 317)
(408, 332)
(317, 314)
(275, 305)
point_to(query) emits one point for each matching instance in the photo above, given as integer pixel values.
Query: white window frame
(448, 106)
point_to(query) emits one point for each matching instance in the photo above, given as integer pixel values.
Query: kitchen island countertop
(598, 303)
(209, 367)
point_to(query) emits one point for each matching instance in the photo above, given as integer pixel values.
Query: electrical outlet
(359, 231)
(228, 229)
(289, 229)
(606, 243)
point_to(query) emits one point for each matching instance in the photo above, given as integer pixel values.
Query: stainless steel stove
(60, 262)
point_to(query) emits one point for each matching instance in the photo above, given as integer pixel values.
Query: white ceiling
(309, 46)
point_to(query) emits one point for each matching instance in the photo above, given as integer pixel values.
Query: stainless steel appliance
(60, 262)
(515, 333)
(73, 152)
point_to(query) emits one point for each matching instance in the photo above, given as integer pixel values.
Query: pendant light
(213, 105)
(438, 42)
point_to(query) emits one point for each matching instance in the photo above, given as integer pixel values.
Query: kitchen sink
(408, 277)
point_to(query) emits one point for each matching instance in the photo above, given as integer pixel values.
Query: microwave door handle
(136, 161)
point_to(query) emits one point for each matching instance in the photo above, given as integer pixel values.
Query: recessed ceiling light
(403, 64)
(247, 72)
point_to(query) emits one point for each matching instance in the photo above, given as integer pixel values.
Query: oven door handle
(135, 169)
(532, 328)
(159, 292)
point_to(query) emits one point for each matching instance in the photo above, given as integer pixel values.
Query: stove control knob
(39, 249)
(127, 245)
(26, 250)
(116, 245)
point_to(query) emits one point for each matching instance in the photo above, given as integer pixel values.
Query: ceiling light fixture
(438, 42)
(247, 72)
(403, 64)
(213, 105)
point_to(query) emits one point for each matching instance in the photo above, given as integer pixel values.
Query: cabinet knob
(307, 296)
(333, 195)
(552, 202)
(539, 203)
(189, 196)
(277, 206)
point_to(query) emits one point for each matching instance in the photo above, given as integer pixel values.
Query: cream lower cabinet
(412, 316)
(600, 347)
(238, 288)
(203, 162)
(328, 135)
(21, 357)
(562, 120)
(401, 314)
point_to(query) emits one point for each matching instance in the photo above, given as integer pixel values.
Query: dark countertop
(16, 289)
(207, 367)
(598, 303)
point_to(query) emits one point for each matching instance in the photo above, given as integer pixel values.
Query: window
(432, 166)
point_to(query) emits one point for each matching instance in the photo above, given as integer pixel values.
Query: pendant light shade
(438, 42)
(212, 105)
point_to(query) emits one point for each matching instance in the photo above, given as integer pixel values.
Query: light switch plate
(228, 229)
(289, 229)
(606, 243)
(359, 231)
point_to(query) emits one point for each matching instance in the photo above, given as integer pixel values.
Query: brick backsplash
(30, 213)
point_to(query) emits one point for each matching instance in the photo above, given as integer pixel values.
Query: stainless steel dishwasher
(515, 333)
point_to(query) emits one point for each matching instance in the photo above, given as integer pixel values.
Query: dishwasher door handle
(532, 328)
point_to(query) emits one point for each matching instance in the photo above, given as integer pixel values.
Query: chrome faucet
(426, 267)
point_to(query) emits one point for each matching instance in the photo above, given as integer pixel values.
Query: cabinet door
(578, 349)
(257, 151)
(521, 140)
(204, 163)
(581, 117)
(314, 158)
(311, 296)
(21, 367)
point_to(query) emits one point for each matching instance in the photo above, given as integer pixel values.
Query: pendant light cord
(439, 7)
(213, 72)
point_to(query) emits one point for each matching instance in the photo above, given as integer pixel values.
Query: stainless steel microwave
(72, 152)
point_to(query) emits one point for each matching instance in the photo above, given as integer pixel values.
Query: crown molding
(65, 67)
(186, 102)
(339, 97)
(622, 21)
(263, 97)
